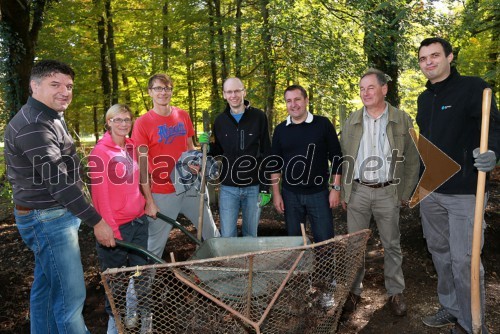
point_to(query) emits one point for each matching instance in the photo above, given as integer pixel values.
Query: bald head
(234, 93)
(233, 82)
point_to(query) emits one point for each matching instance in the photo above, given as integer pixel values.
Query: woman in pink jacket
(114, 174)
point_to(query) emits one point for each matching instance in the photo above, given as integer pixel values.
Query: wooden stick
(304, 236)
(478, 220)
(202, 191)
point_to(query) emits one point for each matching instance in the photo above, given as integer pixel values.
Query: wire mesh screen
(299, 289)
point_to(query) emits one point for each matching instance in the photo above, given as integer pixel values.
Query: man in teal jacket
(380, 171)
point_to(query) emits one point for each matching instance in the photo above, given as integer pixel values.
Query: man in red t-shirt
(164, 133)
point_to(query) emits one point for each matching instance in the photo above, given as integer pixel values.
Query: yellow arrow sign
(439, 168)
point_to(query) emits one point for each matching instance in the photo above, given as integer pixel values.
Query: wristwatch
(336, 187)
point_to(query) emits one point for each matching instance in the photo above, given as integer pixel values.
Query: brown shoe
(351, 302)
(398, 305)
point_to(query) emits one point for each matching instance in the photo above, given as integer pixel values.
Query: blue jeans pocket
(23, 218)
(51, 214)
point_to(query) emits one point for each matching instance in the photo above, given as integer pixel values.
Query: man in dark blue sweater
(304, 144)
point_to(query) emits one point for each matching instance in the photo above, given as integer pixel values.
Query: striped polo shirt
(42, 163)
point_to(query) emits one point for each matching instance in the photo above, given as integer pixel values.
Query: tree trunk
(214, 92)
(126, 88)
(189, 79)
(269, 69)
(106, 84)
(220, 40)
(165, 37)
(380, 45)
(76, 127)
(95, 117)
(237, 40)
(110, 41)
(494, 55)
(145, 98)
(310, 95)
(20, 42)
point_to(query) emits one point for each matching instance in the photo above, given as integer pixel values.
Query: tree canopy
(324, 45)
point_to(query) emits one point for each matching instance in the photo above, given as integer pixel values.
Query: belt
(22, 208)
(374, 185)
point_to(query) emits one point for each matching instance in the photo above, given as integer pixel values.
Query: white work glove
(484, 162)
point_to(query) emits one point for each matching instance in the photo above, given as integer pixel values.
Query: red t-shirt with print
(166, 138)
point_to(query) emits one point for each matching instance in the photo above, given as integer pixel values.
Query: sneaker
(146, 323)
(440, 319)
(351, 303)
(398, 305)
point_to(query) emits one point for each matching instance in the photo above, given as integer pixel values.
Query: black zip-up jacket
(449, 115)
(242, 147)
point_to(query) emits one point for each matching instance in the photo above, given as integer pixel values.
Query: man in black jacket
(241, 142)
(449, 115)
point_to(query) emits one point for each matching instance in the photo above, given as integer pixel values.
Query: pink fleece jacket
(114, 175)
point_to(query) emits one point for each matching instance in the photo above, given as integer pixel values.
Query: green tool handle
(139, 249)
(179, 226)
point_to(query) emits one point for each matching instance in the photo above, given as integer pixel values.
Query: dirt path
(373, 316)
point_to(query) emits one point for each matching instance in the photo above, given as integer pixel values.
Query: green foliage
(5, 191)
(323, 45)
(5, 187)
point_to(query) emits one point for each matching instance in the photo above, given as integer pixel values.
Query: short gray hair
(382, 78)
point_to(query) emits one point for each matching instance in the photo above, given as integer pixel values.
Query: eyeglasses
(121, 120)
(236, 91)
(160, 89)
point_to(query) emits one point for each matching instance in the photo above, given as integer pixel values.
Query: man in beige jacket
(380, 171)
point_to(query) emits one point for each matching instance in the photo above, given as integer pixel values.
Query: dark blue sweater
(305, 150)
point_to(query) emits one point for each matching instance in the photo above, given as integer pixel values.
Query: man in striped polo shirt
(43, 168)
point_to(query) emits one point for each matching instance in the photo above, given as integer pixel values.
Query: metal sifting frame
(297, 289)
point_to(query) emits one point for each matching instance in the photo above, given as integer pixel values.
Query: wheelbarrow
(244, 285)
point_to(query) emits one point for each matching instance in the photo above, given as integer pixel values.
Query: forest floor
(372, 317)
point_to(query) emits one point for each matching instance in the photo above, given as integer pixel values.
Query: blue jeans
(315, 206)
(58, 290)
(231, 199)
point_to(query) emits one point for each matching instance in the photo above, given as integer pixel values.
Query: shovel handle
(202, 191)
(478, 219)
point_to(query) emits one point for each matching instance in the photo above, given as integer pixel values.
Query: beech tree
(21, 22)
